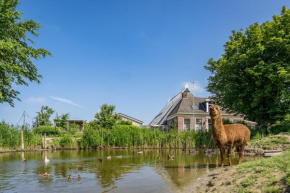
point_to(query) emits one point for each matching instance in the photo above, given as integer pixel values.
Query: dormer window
(208, 104)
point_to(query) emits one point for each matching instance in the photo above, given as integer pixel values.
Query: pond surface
(131, 173)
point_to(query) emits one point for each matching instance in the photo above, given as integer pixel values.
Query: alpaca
(228, 136)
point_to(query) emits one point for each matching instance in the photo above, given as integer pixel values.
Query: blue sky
(133, 54)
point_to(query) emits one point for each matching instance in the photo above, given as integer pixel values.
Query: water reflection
(132, 173)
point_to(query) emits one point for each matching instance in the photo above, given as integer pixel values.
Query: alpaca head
(214, 111)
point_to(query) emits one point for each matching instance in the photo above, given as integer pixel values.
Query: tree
(124, 122)
(17, 51)
(62, 120)
(252, 77)
(43, 116)
(106, 118)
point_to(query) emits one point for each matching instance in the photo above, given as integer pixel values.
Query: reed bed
(132, 136)
(10, 136)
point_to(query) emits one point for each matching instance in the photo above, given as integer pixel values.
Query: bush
(73, 128)
(283, 127)
(91, 137)
(124, 122)
(48, 130)
(67, 142)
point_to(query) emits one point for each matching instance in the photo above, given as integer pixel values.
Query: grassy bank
(272, 142)
(271, 175)
(265, 175)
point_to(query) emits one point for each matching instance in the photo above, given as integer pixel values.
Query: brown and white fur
(228, 136)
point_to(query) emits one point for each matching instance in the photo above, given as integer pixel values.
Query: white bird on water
(46, 160)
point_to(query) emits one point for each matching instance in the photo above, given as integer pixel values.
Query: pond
(132, 173)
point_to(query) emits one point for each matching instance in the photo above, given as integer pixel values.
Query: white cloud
(197, 87)
(36, 100)
(65, 101)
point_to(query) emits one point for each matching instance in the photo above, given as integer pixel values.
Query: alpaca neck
(217, 126)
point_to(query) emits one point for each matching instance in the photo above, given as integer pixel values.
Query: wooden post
(22, 142)
(44, 143)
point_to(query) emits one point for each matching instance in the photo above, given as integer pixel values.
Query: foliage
(278, 128)
(17, 51)
(173, 126)
(10, 136)
(43, 116)
(124, 122)
(67, 142)
(62, 120)
(133, 136)
(258, 133)
(48, 130)
(91, 138)
(31, 139)
(106, 118)
(253, 75)
(73, 128)
(204, 138)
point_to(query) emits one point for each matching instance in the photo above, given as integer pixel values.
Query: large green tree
(17, 51)
(43, 116)
(252, 77)
(106, 117)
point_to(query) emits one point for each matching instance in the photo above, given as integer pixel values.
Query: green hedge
(283, 127)
(49, 130)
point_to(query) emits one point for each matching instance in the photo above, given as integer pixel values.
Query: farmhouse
(188, 112)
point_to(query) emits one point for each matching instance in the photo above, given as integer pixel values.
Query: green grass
(274, 173)
(270, 142)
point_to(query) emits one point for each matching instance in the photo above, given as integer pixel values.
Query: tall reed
(10, 136)
(132, 136)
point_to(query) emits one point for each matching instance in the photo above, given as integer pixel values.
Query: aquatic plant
(132, 136)
(10, 136)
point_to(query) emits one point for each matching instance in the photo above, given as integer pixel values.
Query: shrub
(124, 122)
(67, 142)
(283, 127)
(48, 130)
(91, 137)
(73, 128)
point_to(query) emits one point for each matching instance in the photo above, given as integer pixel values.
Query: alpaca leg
(222, 150)
(229, 155)
(241, 153)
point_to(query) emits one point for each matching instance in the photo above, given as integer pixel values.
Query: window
(175, 120)
(186, 125)
(198, 125)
